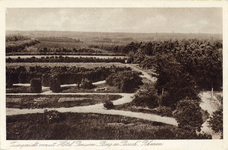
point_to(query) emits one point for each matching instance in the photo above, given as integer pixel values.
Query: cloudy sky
(137, 20)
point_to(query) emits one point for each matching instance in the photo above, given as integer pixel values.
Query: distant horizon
(114, 32)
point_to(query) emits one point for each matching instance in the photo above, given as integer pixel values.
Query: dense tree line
(16, 38)
(181, 67)
(64, 59)
(20, 45)
(65, 75)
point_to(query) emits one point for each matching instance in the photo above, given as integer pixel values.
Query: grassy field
(85, 65)
(56, 101)
(76, 126)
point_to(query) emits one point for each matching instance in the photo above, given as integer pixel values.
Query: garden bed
(18, 89)
(76, 126)
(56, 101)
(101, 88)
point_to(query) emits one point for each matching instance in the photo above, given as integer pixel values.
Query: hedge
(36, 86)
(55, 84)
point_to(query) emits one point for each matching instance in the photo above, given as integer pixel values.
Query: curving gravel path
(98, 108)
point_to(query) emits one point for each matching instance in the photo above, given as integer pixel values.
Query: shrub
(22, 78)
(126, 81)
(9, 83)
(178, 133)
(36, 85)
(55, 84)
(146, 97)
(188, 115)
(46, 80)
(216, 121)
(86, 84)
(165, 111)
(108, 104)
(186, 134)
(51, 116)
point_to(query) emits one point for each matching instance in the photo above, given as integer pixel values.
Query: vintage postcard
(113, 74)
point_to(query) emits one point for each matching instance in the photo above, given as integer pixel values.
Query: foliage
(108, 104)
(9, 83)
(194, 61)
(126, 81)
(46, 80)
(36, 86)
(22, 78)
(216, 121)
(51, 116)
(65, 59)
(16, 38)
(19, 46)
(65, 74)
(165, 111)
(174, 79)
(55, 84)
(188, 115)
(86, 84)
(73, 126)
(146, 96)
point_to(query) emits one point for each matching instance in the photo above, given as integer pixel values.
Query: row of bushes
(54, 84)
(64, 53)
(64, 69)
(64, 78)
(66, 75)
(65, 59)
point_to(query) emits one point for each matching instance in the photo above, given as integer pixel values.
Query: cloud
(115, 19)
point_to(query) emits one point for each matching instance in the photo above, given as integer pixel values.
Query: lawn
(77, 126)
(56, 101)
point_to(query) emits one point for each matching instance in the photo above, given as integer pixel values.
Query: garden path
(98, 108)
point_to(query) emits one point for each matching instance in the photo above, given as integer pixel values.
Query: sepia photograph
(141, 74)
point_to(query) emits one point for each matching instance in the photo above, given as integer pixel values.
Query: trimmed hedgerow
(86, 84)
(55, 85)
(46, 80)
(36, 86)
